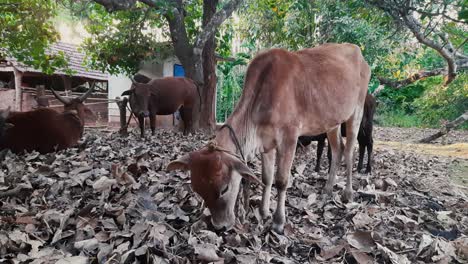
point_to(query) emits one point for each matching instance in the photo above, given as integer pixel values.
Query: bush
(444, 103)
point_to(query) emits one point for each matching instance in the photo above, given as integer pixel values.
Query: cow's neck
(244, 133)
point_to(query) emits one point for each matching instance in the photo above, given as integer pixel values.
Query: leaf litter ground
(111, 201)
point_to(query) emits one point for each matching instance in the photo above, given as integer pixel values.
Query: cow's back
(43, 130)
(311, 90)
(169, 93)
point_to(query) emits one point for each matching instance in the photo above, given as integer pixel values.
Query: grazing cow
(365, 139)
(286, 95)
(46, 130)
(163, 97)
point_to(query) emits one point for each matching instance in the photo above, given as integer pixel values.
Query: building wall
(7, 98)
(120, 83)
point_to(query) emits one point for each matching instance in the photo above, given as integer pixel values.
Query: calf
(365, 139)
(163, 97)
(286, 95)
(46, 130)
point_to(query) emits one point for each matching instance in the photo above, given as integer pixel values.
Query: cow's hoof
(278, 228)
(347, 196)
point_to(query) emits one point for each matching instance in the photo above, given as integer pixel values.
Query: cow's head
(76, 104)
(139, 95)
(4, 126)
(216, 177)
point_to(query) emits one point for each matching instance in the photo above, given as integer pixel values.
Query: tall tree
(26, 30)
(435, 24)
(197, 55)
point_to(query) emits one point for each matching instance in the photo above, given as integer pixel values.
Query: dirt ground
(111, 201)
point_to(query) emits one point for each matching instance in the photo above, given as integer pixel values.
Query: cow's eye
(225, 189)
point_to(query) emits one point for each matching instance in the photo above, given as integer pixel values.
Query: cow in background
(163, 97)
(286, 95)
(46, 130)
(365, 138)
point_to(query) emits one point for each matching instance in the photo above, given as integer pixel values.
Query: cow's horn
(60, 98)
(88, 93)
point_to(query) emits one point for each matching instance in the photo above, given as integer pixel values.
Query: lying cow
(163, 97)
(46, 130)
(286, 95)
(365, 139)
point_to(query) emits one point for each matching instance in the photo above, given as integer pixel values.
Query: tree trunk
(208, 112)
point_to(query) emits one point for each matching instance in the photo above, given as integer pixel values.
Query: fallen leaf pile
(111, 201)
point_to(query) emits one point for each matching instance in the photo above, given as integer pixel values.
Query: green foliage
(121, 40)
(424, 103)
(26, 30)
(396, 118)
(230, 82)
(444, 103)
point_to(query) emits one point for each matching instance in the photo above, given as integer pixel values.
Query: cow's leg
(334, 140)
(268, 169)
(187, 118)
(370, 147)
(329, 156)
(141, 121)
(153, 124)
(320, 146)
(352, 129)
(362, 149)
(285, 157)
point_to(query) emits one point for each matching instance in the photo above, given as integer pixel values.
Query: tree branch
(413, 78)
(402, 13)
(397, 84)
(415, 27)
(210, 28)
(449, 126)
(116, 5)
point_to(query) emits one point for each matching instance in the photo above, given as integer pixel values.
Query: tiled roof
(75, 62)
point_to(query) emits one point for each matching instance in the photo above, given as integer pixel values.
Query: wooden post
(41, 98)
(18, 92)
(122, 104)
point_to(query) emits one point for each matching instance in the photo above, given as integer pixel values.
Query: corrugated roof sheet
(75, 62)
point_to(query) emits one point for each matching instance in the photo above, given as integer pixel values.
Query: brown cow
(163, 97)
(46, 130)
(286, 95)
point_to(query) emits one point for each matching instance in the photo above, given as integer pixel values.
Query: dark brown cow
(365, 139)
(46, 130)
(163, 97)
(286, 95)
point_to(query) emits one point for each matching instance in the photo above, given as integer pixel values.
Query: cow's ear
(128, 92)
(179, 164)
(246, 173)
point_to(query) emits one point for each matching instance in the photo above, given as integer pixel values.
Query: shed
(25, 88)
